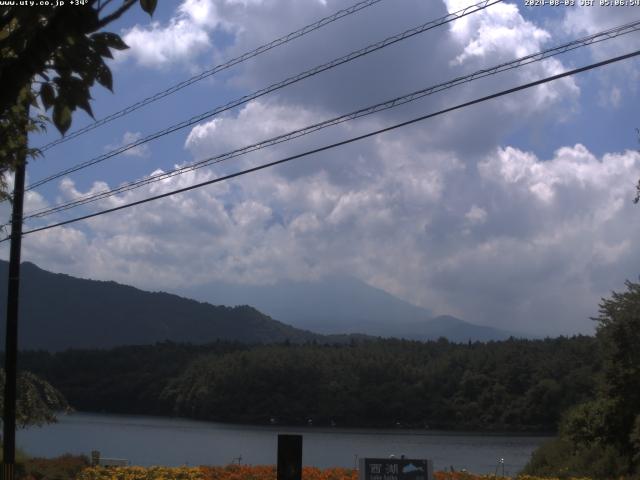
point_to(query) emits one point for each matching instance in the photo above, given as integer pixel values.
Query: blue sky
(515, 213)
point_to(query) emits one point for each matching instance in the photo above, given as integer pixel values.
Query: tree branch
(18, 72)
(116, 14)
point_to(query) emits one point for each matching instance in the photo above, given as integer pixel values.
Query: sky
(515, 213)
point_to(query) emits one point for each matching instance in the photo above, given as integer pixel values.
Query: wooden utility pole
(11, 340)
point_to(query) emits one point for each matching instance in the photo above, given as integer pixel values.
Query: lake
(172, 442)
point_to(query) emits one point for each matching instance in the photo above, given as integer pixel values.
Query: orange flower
(249, 472)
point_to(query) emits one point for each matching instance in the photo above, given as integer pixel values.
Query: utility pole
(11, 340)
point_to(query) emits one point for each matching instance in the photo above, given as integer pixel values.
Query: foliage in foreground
(558, 458)
(36, 402)
(601, 437)
(61, 53)
(65, 467)
(230, 472)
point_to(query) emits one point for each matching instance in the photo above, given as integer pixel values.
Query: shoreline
(313, 428)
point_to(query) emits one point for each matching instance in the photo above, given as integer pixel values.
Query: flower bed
(244, 472)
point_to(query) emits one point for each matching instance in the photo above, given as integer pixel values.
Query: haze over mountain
(342, 304)
(58, 311)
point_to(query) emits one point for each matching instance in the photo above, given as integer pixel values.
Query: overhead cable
(276, 86)
(528, 59)
(212, 71)
(337, 144)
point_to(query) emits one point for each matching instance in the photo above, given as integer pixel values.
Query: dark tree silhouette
(54, 55)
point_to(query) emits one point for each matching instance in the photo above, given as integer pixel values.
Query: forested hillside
(60, 311)
(508, 385)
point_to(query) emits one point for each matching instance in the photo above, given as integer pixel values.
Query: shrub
(560, 458)
(65, 467)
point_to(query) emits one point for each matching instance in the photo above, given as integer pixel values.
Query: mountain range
(58, 311)
(343, 304)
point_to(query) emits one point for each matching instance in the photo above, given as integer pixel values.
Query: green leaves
(104, 77)
(37, 400)
(64, 53)
(67, 59)
(107, 39)
(83, 102)
(62, 117)
(603, 433)
(102, 49)
(149, 6)
(79, 64)
(76, 64)
(72, 92)
(47, 95)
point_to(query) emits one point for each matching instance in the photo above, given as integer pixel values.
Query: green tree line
(511, 385)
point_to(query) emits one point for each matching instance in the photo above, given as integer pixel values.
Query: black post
(289, 457)
(11, 340)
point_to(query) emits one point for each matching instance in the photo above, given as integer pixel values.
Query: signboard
(395, 469)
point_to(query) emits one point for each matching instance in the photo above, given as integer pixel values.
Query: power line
(276, 86)
(528, 59)
(212, 71)
(338, 144)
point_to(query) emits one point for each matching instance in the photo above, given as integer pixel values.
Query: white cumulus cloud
(142, 151)
(452, 213)
(185, 36)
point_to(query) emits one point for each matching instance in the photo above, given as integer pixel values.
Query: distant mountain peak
(345, 305)
(59, 311)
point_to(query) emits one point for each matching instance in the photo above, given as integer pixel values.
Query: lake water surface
(166, 441)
